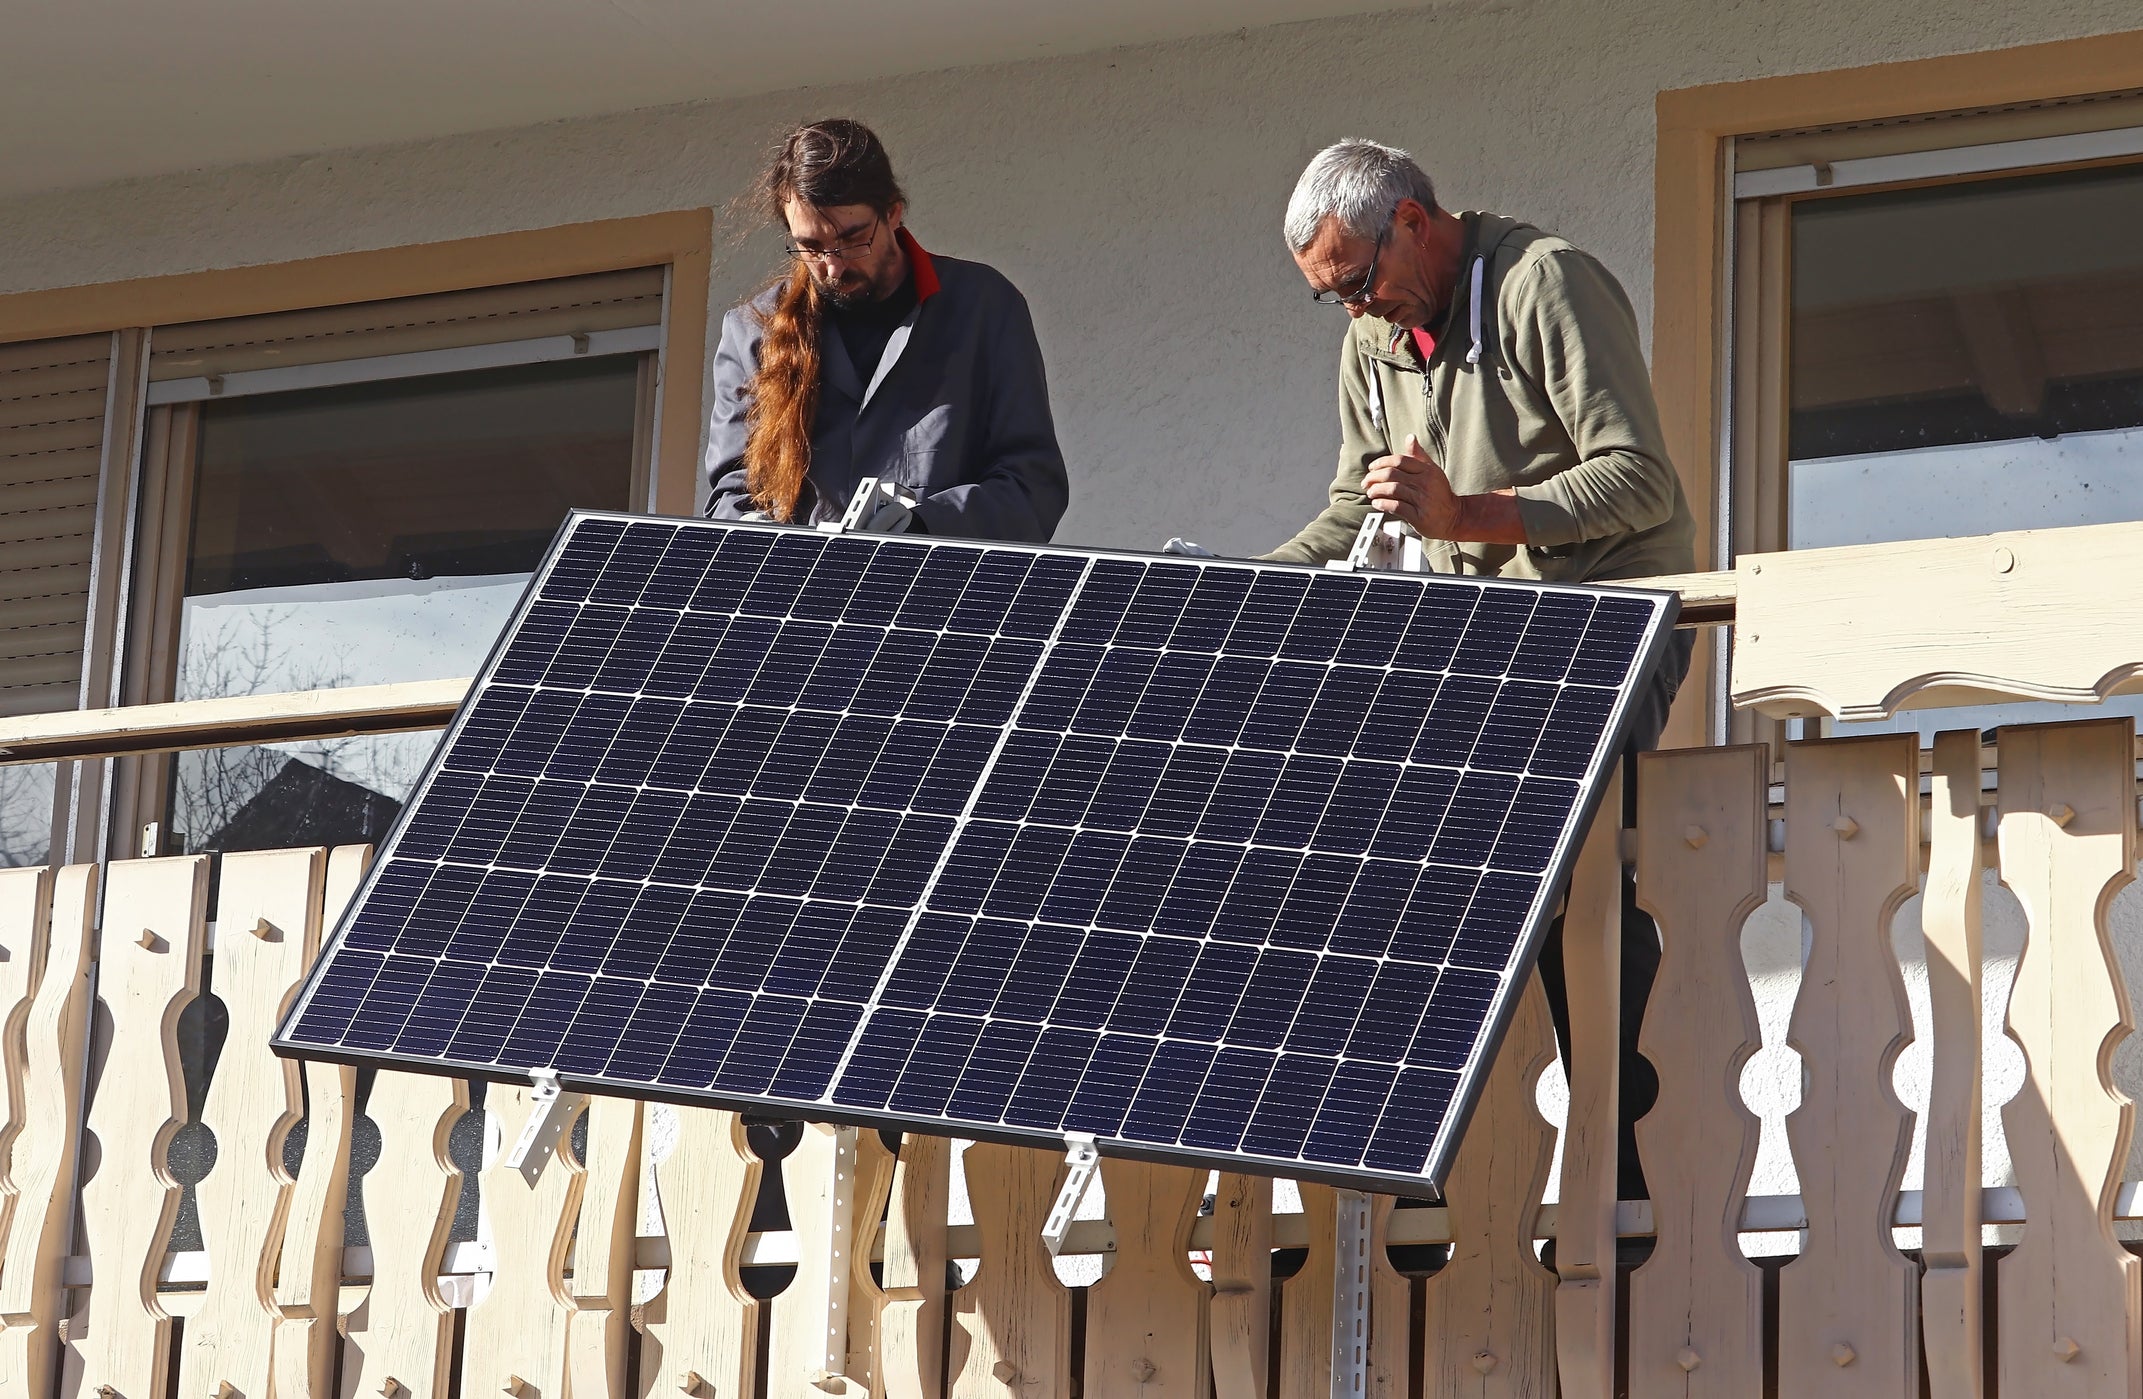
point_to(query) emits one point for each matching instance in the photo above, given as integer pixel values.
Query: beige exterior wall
(1134, 195)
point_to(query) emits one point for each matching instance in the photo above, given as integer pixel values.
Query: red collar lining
(926, 272)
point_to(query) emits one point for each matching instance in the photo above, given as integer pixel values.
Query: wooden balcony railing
(630, 1265)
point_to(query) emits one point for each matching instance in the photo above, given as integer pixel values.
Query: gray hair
(1357, 182)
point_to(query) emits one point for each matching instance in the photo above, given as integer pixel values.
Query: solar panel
(1222, 862)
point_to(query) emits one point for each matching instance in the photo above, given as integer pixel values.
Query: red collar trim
(925, 271)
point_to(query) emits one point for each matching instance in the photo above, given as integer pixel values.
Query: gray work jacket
(957, 414)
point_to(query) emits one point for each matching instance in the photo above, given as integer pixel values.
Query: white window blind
(52, 405)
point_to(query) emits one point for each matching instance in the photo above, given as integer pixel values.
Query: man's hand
(1413, 488)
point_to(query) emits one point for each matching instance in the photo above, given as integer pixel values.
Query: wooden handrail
(303, 715)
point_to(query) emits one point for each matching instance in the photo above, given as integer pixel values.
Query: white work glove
(757, 517)
(1180, 545)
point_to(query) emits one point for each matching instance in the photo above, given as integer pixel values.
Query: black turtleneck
(867, 326)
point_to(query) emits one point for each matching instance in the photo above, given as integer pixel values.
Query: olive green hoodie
(1539, 383)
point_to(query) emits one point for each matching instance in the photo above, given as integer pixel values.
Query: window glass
(1968, 358)
(362, 535)
(26, 814)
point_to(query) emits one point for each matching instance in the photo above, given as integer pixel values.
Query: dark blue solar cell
(942, 688)
(1201, 885)
(676, 672)
(1432, 915)
(813, 1052)
(813, 941)
(1394, 1006)
(1538, 816)
(1357, 807)
(1331, 1006)
(1411, 1120)
(701, 828)
(1045, 1090)
(954, 770)
(1299, 798)
(1083, 879)
(990, 592)
(644, 634)
(1170, 1087)
(1254, 899)
(1017, 776)
(901, 764)
(789, 663)
(1210, 613)
(972, 868)
(1612, 639)
(550, 1007)
(762, 1042)
(1573, 732)
(982, 961)
(1454, 720)
(483, 823)
(649, 1036)
(593, 1036)
(586, 646)
(536, 830)
(1172, 690)
(885, 585)
(781, 575)
(709, 1029)
(1040, 605)
(1513, 728)
(490, 1011)
(1232, 1088)
(1154, 985)
(1246, 785)
(1225, 702)
(797, 750)
(852, 976)
(488, 726)
(1283, 702)
(1395, 715)
(1322, 623)
(580, 562)
(1114, 692)
(1340, 709)
(591, 925)
(833, 581)
(937, 588)
(643, 736)
(1314, 902)
(934, 1064)
(993, 1071)
(1101, 601)
(1494, 920)
(909, 860)
(900, 659)
(676, 576)
(1432, 634)
(1272, 998)
(436, 819)
(1074, 776)
(1096, 979)
(527, 656)
(1374, 904)
(643, 834)
(749, 844)
(1134, 899)
(1038, 974)
(1182, 789)
(735, 565)
(1267, 613)
(1551, 638)
(439, 1008)
(1154, 609)
(1475, 819)
(587, 839)
(926, 961)
(656, 917)
(997, 685)
(1119, 803)
(1379, 621)
(857, 742)
(1460, 1002)
(587, 738)
(1493, 632)
(1293, 1097)
(862, 842)
(1352, 1108)
(801, 852)
(537, 733)
(1105, 1091)
(1060, 687)
(736, 661)
(625, 572)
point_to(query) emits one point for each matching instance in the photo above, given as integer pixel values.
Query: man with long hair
(872, 358)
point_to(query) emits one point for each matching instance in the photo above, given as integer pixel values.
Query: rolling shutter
(52, 406)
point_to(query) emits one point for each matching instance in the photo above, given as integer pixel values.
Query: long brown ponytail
(826, 164)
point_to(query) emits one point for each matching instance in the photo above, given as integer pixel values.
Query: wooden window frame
(672, 396)
(1693, 253)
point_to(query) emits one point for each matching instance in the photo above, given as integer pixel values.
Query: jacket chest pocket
(931, 440)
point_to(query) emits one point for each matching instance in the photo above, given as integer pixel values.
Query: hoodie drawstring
(1473, 315)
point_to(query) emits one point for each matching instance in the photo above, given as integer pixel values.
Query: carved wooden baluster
(1696, 1305)
(702, 1328)
(1848, 1307)
(2071, 1295)
(1391, 1310)
(268, 925)
(1951, 1297)
(1145, 1318)
(399, 1340)
(148, 968)
(41, 1156)
(1012, 1321)
(25, 909)
(911, 1328)
(1490, 1321)
(866, 1299)
(514, 1341)
(1242, 1286)
(1585, 1220)
(1306, 1298)
(601, 1285)
(308, 1283)
(807, 1337)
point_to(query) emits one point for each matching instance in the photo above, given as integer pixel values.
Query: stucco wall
(1134, 195)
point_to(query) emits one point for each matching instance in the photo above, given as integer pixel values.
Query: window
(1938, 342)
(357, 496)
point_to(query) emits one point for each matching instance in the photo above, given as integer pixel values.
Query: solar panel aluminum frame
(1471, 1079)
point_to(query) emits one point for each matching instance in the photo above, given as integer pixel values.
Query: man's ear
(893, 214)
(1411, 216)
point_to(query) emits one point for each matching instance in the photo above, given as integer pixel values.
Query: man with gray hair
(1493, 394)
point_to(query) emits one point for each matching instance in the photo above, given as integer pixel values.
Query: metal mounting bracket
(1350, 1297)
(1083, 1156)
(549, 1117)
(1385, 544)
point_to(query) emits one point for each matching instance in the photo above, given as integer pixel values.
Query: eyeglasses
(1362, 290)
(846, 253)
